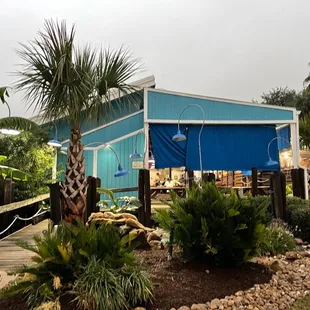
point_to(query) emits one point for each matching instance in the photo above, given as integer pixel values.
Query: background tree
(29, 153)
(61, 80)
(279, 96)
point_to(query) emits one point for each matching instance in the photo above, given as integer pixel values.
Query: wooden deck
(10, 254)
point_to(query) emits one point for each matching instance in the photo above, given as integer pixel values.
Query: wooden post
(190, 175)
(296, 184)
(302, 185)
(1, 191)
(211, 177)
(8, 184)
(147, 198)
(91, 197)
(254, 182)
(98, 184)
(279, 196)
(141, 210)
(55, 203)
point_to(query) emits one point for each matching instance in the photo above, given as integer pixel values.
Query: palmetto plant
(61, 80)
(10, 122)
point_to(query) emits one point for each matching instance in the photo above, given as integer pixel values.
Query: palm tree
(18, 123)
(60, 80)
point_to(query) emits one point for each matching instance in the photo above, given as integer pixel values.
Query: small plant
(298, 217)
(118, 205)
(69, 260)
(210, 225)
(278, 239)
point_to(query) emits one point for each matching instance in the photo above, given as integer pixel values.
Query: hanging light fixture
(271, 162)
(135, 154)
(120, 170)
(54, 142)
(178, 137)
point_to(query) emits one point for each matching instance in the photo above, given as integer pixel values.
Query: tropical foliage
(117, 204)
(63, 80)
(10, 122)
(93, 264)
(279, 239)
(29, 153)
(210, 225)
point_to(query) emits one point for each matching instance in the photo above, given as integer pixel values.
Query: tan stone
(198, 307)
(184, 308)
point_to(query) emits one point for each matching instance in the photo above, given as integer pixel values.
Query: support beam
(95, 163)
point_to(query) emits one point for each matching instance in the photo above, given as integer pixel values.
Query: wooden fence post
(141, 210)
(254, 182)
(278, 186)
(190, 175)
(55, 203)
(91, 197)
(298, 183)
(8, 191)
(147, 197)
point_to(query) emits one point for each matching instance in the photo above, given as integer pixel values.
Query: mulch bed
(177, 284)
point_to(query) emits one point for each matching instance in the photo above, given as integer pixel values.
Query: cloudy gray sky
(224, 48)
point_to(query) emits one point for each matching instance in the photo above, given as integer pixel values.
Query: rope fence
(17, 217)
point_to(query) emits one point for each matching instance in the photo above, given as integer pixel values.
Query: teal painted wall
(114, 131)
(112, 111)
(107, 164)
(169, 106)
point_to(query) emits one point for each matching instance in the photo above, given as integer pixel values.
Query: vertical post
(98, 184)
(95, 163)
(296, 183)
(1, 191)
(233, 179)
(147, 197)
(91, 197)
(55, 203)
(54, 171)
(190, 175)
(279, 194)
(141, 210)
(302, 184)
(8, 184)
(146, 143)
(254, 182)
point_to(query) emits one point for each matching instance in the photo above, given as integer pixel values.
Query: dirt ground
(177, 284)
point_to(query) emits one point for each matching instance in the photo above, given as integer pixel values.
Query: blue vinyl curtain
(167, 153)
(284, 134)
(233, 147)
(224, 147)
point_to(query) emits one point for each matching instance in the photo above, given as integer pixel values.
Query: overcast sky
(234, 49)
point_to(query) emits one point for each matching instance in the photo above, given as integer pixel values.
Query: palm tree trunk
(74, 188)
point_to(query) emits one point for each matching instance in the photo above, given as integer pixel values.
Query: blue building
(234, 135)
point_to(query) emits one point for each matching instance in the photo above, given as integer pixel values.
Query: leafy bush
(208, 224)
(71, 258)
(118, 205)
(278, 239)
(298, 217)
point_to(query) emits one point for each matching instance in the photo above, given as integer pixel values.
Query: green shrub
(208, 224)
(69, 255)
(118, 204)
(298, 217)
(278, 239)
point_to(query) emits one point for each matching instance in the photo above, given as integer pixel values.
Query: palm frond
(19, 123)
(112, 72)
(3, 93)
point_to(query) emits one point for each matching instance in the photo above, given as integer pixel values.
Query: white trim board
(113, 141)
(224, 122)
(219, 99)
(106, 125)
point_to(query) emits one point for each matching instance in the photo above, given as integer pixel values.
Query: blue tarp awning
(224, 147)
